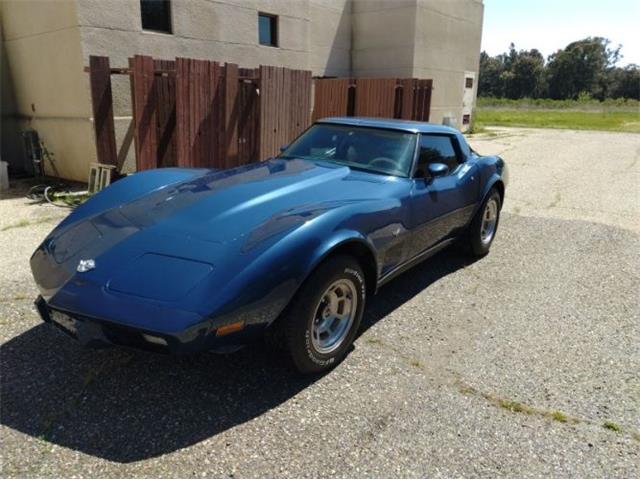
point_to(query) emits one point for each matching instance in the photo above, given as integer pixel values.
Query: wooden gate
(415, 99)
(373, 97)
(285, 107)
(201, 113)
(331, 97)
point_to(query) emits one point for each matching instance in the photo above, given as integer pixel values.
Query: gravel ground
(510, 366)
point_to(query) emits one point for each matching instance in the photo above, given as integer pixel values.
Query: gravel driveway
(522, 364)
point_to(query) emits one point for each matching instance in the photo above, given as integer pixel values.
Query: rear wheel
(484, 225)
(322, 320)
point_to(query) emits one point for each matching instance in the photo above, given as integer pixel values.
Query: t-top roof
(389, 123)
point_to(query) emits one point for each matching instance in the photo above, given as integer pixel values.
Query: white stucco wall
(383, 36)
(330, 37)
(447, 43)
(43, 53)
(48, 43)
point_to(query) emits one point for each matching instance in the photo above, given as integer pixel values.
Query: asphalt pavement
(522, 364)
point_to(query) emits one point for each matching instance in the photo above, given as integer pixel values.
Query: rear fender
(490, 184)
(493, 174)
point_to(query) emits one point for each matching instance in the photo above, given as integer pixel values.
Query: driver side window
(437, 149)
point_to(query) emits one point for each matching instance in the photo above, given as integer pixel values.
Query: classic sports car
(183, 260)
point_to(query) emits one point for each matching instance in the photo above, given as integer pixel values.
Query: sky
(549, 25)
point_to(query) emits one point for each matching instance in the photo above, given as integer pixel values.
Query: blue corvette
(185, 260)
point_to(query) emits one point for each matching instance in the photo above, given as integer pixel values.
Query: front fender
(262, 290)
(336, 241)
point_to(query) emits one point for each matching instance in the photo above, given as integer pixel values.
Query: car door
(443, 205)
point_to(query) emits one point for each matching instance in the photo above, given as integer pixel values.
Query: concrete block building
(46, 44)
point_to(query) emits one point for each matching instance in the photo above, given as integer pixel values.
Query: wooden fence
(202, 113)
(408, 99)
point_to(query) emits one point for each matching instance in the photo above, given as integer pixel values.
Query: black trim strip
(414, 261)
(434, 221)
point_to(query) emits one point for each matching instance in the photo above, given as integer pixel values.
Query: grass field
(612, 115)
(582, 103)
(622, 121)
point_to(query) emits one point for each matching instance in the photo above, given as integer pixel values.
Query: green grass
(612, 426)
(416, 363)
(522, 408)
(559, 416)
(71, 199)
(611, 120)
(18, 224)
(586, 103)
(26, 223)
(515, 406)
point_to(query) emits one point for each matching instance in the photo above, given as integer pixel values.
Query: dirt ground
(522, 364)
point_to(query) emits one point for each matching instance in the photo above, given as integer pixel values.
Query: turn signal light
(227, 329)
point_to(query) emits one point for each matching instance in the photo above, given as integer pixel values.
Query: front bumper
(98, 333)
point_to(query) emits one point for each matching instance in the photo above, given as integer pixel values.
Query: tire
(334, 295)
(481, 234)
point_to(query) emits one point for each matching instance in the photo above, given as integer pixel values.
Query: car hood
(226, 205)
(238, 209)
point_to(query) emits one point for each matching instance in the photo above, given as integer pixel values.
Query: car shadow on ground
(127, 406)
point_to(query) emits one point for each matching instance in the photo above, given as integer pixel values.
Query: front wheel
(322, 320)
(484, 225)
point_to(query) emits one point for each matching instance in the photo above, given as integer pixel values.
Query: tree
(526, 75)
(583, 66)
(515, 74)
(489, 82)
(624, 82)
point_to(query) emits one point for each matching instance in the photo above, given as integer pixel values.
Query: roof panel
(389, 123)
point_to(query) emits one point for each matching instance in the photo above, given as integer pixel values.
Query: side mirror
(438, 170)
(284, 147)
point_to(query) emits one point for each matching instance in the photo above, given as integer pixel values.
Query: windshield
(376, 150)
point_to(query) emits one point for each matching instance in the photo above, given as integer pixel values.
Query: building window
(268, 29)
(156, 15)
(468, 82)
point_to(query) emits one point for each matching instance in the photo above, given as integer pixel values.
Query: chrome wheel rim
(489, 221)
(334, 316)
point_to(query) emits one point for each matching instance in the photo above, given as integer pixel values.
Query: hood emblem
(86, 265)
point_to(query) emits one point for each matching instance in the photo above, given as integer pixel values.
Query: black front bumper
(99, 333)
